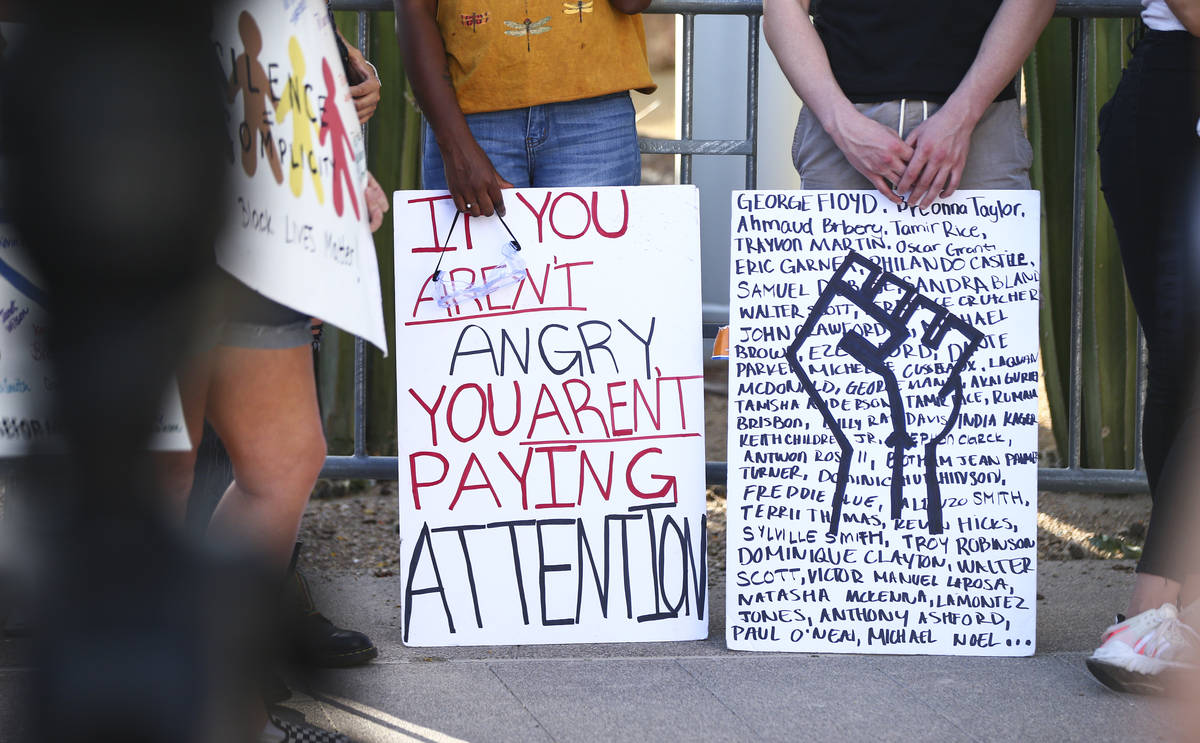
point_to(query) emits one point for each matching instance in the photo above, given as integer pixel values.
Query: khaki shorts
(1000, 153)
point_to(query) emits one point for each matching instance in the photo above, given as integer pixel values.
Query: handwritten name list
(883, 423)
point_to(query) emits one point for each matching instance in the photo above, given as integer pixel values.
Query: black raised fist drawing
(914, 352)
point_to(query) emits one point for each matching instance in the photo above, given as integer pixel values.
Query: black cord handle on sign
(436, 269)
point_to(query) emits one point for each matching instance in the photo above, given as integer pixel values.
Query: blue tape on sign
(22, 284)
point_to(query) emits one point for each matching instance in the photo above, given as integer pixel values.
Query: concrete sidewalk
(701, 691)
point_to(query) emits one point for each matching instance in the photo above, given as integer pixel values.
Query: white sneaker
(1143, 654)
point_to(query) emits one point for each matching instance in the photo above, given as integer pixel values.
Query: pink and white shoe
(1144, 653)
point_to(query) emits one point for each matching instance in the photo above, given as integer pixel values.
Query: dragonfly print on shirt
(577, 7)
(474, 20)
(527, 27)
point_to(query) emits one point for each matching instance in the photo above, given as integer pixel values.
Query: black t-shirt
(882, 50)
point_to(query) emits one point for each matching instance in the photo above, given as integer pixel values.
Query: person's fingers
(366, 99)
(476, 202)
(361, 67)
(368, 89)
(495, 195)
(882, 186)
(484, 206)
(933, 188)
(891, 174)
(377, 202)
(460, 200)
(912, 173)
(952, 184)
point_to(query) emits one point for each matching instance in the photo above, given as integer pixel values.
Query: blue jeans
(589, 142)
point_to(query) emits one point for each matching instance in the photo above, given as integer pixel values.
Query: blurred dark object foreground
(113, 141)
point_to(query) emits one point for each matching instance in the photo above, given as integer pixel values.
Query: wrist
(457, 144)
(965, 109)
(374, 71)
(835, 118)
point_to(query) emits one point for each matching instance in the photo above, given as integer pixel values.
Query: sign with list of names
(551, 444)
(883, 423)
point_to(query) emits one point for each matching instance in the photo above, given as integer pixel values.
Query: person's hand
(365, 86)
(940, 145)
(377, 203)
(873, 149)
(472, 180)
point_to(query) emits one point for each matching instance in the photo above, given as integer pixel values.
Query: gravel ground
(356, 533)
(352, 526)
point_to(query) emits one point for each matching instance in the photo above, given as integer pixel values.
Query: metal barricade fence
(1073, 477)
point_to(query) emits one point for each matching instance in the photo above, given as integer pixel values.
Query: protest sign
(883, 423)
(551, 432)
(27, 379)
(296, 221)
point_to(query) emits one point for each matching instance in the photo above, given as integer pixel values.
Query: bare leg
(1190, 592)
(1151, 592)
(176, 469)
(263, 405)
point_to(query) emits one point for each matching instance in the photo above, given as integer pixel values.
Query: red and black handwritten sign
(551, 432)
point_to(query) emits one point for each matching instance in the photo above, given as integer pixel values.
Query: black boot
(315, 640)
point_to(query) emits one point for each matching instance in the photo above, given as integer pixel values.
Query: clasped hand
(925, 165)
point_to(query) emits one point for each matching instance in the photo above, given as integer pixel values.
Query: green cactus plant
(393, 139)
(1109, 369)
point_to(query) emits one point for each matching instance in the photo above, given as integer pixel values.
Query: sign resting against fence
(551, 433)
(883, 423)
(28, 422)
(296, 227)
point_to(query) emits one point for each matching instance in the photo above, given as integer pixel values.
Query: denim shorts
(589, 142)
(250, 320)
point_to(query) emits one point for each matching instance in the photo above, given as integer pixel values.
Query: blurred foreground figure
(112, 136)
(1185, 683)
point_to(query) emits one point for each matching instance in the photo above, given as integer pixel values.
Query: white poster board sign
(551, 433)
(883, 423)
(27, 381)
(296, 225)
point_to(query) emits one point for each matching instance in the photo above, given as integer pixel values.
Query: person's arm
(473, 181)
(630, 7)
(364, 82)
(1188, 13)
(872, 148)
(940, 144)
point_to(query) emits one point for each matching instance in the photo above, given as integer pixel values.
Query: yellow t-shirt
(518, 53)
